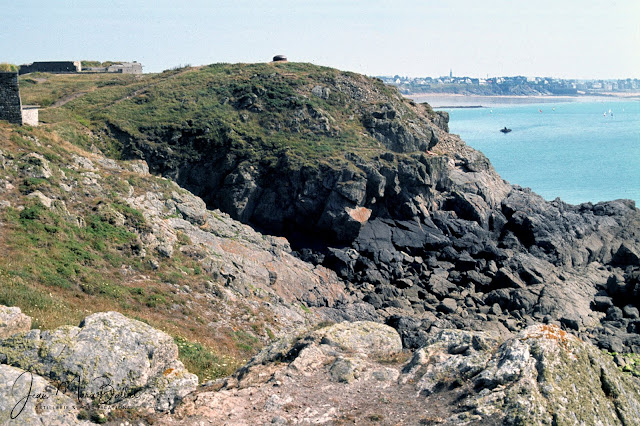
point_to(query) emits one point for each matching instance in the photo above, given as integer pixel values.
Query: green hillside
(259, 109)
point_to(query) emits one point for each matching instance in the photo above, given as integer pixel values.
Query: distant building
(279, 58)
(126, 68)
(56, 67)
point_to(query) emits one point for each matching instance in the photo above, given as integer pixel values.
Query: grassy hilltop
(254, 105)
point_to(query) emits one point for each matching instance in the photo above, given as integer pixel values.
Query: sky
(561, 38)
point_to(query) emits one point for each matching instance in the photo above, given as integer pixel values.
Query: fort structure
(10, 104)
(72, 67)
(280, 58)
(57, 67)
(11, 108)
(122, 68)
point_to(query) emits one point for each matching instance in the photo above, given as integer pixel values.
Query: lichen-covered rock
(29, 399)
(36, 166)
(363, 337)
(108, 357)
(13, 321)
(547, 376)
(542, 376)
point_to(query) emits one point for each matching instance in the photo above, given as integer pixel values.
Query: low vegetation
(80, 255)
(5, 67)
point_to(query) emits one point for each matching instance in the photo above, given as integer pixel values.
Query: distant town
(514, 86)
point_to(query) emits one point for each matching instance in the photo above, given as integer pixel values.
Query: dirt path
(67, 98)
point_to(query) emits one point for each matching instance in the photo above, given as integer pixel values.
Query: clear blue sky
(560, 38)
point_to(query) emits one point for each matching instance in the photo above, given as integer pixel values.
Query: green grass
(203, 362)
(195, 111)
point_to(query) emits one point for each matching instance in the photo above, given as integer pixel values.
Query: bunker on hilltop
(280, 58)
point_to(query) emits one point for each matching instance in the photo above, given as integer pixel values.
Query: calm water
(569, 150)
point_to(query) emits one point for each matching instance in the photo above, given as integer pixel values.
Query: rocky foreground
(338, 374)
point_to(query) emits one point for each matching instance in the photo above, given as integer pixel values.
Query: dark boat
(505, 130)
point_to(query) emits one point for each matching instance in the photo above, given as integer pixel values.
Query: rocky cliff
(463, 295)
(417, 222)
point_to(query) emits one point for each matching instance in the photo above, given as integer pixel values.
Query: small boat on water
(505, 130)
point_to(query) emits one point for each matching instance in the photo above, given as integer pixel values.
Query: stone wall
(53, 67)
(10, 105)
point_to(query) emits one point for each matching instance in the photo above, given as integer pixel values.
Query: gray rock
(542, 375)
(36, 166)
(191, 207)
(28, 399)
(13, 321)
(364, 337)
(344, 370)
(631, 311)
(138, 363)
(321, 92)
(448, 305)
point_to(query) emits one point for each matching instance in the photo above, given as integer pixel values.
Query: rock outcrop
(543, 375)
(418, 224)
(107, 360)
(29, 399)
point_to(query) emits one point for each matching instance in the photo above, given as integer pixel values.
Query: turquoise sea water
(569, 150)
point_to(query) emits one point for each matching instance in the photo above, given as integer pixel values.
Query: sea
(577, 149)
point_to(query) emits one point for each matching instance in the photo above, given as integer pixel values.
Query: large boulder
(364, 337)
(109, 358)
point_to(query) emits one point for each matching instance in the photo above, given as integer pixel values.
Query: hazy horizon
(570, 39)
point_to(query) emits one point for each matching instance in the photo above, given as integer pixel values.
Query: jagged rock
(138, 363)
(43, 199)
(541, 376)
(191, 207)
(13, 321)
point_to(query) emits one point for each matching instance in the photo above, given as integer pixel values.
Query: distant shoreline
(454, 100)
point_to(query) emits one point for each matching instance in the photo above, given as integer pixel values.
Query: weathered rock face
(108, 359)
(422, 229)
(541, 376)
(236, 256)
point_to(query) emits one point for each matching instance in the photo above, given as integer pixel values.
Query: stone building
(126, 68)
(122, 68)
(11, 108)
(56, 67)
